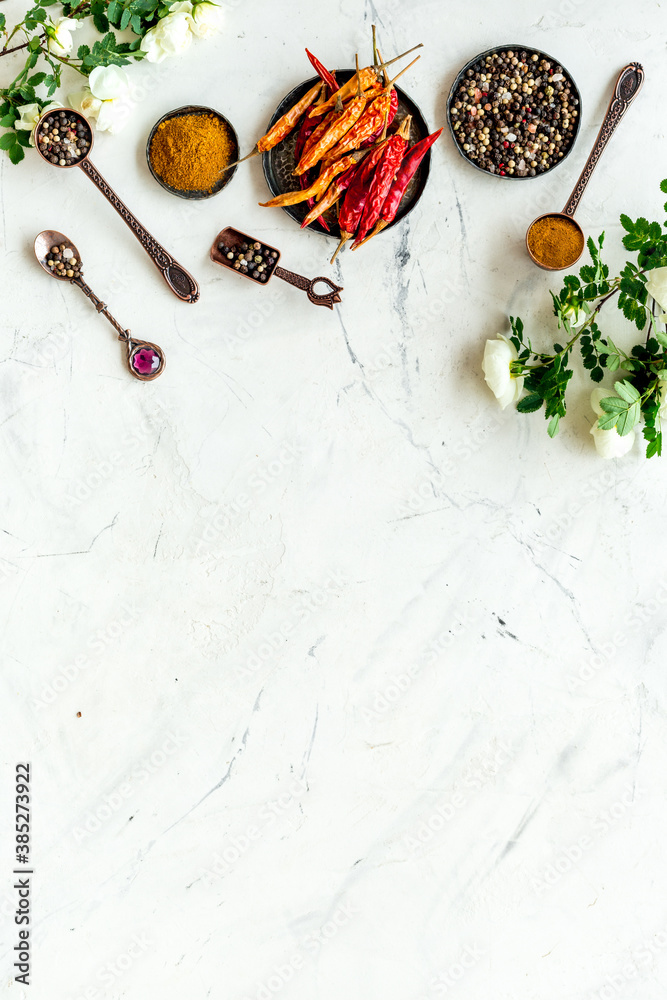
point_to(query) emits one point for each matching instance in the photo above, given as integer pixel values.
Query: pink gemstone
(146, 361)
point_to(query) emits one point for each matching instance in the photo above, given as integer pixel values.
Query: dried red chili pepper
(286, 123)
(382, 180)
(337, 187)
(355, 199)
(318, 186)
(368, 81)
(393, 108)
(406, 172)
(340, 127)
(323, 73)
(369, 125)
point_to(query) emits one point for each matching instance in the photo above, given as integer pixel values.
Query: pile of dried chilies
(345, 157)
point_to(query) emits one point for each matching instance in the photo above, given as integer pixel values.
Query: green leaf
(613, 362)
(626, 391)
(8, 140)
(628, 419)
(16, 153)
(125, 19)
(627, 223)
(607, 421)
(2, 22)
(114, 11)
(552, 429)
(597, 374)
(8, 120)
(100, 18)
(135, 24)
(36, 79)
(663, 186)
(82, 52)
(529, 404)
(612, 404)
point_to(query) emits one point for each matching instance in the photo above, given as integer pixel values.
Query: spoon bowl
(572, 224)
(43, 243)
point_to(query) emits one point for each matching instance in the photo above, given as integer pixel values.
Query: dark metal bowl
(493, 51)
(278, 163)
(193, 109)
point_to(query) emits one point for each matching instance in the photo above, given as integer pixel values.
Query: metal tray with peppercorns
(510, 103)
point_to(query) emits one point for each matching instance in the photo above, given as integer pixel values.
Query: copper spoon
(179, 280)
(141, 365)
(627, 87)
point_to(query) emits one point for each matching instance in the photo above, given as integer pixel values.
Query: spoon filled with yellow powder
(188, 150)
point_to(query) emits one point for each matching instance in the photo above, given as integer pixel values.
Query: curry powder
(555, 241)
(190, 152)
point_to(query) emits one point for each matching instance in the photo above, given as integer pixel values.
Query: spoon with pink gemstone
(144, 360)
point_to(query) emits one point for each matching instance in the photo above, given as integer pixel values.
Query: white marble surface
(370, 674)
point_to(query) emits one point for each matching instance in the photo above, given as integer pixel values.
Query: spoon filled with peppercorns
(60, 258)
(64, 138)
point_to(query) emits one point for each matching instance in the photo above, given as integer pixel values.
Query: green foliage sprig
(639, 392)
(39, 26)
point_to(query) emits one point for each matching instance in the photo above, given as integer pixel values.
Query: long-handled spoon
(179, 280)
(144, 360)
(627, 87)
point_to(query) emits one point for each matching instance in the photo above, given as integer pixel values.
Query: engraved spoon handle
(627, 87)
(102, 308)
(179, 280)
(308, 287)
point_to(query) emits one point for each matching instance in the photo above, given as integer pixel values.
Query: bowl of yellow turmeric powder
(189, 149)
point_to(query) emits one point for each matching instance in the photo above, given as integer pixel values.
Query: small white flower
(62, 43)
(85, 102)
(609, 443)
(207, 19)
(498, 355)
(170, 36)
(656, 285)
(575, 314)
(30, 115)
(108, 82)
(105, 98)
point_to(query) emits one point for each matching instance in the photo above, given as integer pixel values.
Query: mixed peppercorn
(64, 138)
(254, 260)
(63, 262)
(514, 113)
(345, 157)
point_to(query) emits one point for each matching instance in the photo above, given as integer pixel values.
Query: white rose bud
(207, 19)
(498, 356)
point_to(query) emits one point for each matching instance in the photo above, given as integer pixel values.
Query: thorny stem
(15, 48)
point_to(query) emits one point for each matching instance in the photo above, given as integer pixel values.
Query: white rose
(207, 19)
(30, 115)
(576, 315)
(85, 102)
(656, 285)
(62, 43)
(109, 85)
(609, 444)
(498, 355)
(169, 37)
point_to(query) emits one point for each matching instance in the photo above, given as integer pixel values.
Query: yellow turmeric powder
(190, 152)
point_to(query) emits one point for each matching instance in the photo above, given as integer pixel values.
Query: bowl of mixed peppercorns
(514, 112)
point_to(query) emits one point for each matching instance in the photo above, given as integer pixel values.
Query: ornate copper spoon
(627, 87)
(262, 264)
(144, 360)
(55, 150)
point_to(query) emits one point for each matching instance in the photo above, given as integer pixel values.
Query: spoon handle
(627, 87)
(101, 307)
(308, 287)
(179, 280)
